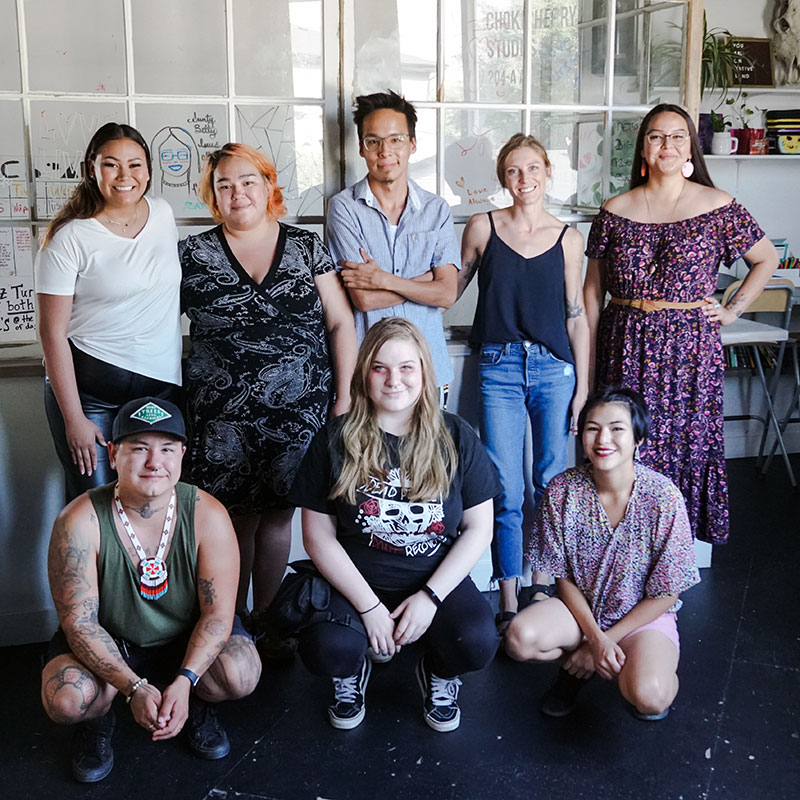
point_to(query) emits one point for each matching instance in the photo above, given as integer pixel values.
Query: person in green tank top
(143, 575)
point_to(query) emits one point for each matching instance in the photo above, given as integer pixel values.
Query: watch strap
(192, 676)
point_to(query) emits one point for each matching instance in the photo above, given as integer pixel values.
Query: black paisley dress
(258, 380)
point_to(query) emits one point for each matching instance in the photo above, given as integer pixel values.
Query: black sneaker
(439, 699)
(348, 708)
(207, 738)
(560, 699)
(92, 754)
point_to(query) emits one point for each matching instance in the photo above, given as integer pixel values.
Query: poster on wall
(180, 137)
(17, 312)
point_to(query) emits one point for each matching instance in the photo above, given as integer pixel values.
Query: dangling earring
(636, 453)
(644, 169)
(687, 170)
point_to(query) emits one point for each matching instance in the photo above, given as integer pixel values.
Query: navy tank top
(521, 299)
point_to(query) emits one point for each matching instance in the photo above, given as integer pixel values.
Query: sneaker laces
(204, 720)
(345, 690)
(444, 691)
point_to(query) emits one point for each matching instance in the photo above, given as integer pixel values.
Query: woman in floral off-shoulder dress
(656, 250)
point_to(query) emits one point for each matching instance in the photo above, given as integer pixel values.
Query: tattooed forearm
(92, 645)
(207, 591)
(738, 304)
(574, 307)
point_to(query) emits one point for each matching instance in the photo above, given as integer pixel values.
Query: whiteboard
(14, 201)
(179, 47)
(60, 133)
(180, 137)
(75, 46)
(291, 137)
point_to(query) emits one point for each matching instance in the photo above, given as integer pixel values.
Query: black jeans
(103, 389)
(461, 638)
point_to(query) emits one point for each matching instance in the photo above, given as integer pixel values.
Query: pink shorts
(667, 624)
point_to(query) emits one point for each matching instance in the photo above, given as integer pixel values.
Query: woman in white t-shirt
(108, 293)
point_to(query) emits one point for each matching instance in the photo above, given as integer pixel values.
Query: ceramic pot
(723, 144)
(745, 136)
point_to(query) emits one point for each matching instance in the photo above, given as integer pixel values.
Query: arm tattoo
(574, 307)
(738, 304)
(469, 268)
(208, 591)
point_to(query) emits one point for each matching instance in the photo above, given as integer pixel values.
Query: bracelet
(135, 688)
(371, 608)
(433, 596)
(192, 676)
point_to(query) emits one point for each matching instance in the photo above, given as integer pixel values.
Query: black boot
(207, 738)
(559, 700)
(92, 754)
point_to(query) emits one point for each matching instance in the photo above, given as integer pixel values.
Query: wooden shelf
(770, 157)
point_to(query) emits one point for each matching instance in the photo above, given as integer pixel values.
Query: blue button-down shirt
(425, 239)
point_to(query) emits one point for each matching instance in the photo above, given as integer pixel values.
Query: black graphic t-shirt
(395, 544)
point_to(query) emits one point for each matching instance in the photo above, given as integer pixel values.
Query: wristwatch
(192, 676)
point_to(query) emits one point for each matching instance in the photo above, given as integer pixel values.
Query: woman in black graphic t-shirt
(397, 508)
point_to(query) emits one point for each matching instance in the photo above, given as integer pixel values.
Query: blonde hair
(514, 143)
(428, 456)
(205, 186)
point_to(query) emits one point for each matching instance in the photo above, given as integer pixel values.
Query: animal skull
(786, 25)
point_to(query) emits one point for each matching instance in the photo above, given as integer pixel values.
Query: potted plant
(746, 114)
(721, 142)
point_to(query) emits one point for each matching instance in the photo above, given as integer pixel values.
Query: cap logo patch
(150, 413)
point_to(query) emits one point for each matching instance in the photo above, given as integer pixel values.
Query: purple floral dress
(673, 356)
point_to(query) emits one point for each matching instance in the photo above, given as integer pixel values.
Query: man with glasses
(393, 241)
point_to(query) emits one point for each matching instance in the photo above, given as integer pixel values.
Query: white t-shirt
(126, 292)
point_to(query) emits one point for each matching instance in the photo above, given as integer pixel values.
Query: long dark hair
(700, 174)
(86, 200)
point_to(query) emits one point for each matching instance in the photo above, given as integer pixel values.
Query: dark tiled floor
(734, 731)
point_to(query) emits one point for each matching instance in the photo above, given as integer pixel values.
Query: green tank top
(124, 613)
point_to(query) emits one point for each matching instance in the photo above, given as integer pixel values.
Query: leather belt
(647, 306)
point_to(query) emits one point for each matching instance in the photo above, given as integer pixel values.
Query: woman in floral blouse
(616, 536)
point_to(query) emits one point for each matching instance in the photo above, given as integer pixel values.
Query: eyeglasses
(393, 142)
(658, 139)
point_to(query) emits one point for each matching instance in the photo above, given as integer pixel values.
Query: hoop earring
(643, 170)
(687, 170)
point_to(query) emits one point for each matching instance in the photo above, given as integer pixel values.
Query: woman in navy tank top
(533, 336)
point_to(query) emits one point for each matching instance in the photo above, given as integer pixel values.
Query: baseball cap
(148, 415)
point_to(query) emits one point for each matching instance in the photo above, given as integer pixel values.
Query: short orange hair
(276, 208)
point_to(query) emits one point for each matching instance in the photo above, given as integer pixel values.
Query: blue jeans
(522, 379)
(103, 390)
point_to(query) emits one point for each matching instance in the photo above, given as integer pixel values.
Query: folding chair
(777, 297)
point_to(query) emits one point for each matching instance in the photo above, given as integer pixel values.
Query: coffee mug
(724, 144)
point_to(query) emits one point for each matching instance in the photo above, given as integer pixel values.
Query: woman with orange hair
(273, 349)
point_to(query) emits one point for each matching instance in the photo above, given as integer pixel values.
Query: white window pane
(180, 137)
(472, 140)
(483, 50)
(75, 46)
(179, 47)
(60, 132)
(291, 137)
(288, 61)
